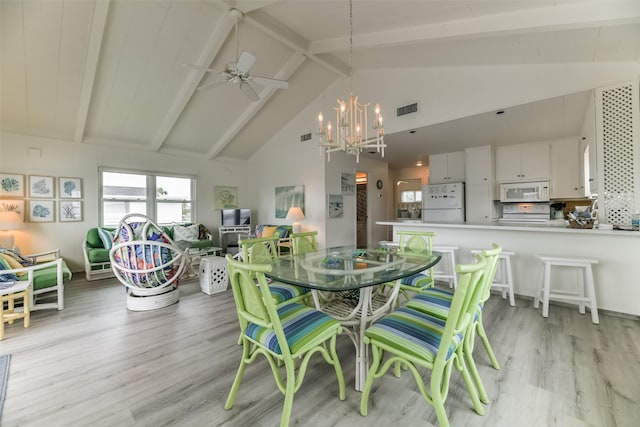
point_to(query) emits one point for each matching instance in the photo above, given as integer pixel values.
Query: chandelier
(352, 131)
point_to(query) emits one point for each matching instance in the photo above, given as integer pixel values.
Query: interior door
(362, 216)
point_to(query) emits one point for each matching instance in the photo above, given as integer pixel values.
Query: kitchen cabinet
(480, 187)
(446, 168)
(479, 203)
(522, 162)
(566, 174)
(589, 150)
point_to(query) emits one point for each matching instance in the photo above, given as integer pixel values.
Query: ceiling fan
(238, 72)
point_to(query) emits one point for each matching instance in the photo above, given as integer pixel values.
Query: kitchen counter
(501, 226)
(618, 252)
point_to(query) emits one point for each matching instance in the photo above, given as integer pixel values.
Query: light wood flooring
(97, 364)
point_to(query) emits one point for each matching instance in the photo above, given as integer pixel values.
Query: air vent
(305, 137)
(407, 109)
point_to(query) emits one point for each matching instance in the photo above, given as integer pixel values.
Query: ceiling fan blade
(249, 92)
(266, 81)
(245, 62)
(211, 85)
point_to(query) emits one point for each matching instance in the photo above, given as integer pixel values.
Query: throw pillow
(13, 263)
(188, 234)
(259, 230)
(9, 277)
(106, 237)
(268, 231)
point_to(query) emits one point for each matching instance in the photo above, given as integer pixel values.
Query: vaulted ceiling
(112, 72)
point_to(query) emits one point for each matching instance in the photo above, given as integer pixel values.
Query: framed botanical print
(11, 185)
(70, 211)
(41, 210)
(70, 188)
(41, 187)
(17, 206)
(225, 197)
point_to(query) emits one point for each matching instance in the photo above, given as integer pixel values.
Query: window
(166, 199)
(410, 196)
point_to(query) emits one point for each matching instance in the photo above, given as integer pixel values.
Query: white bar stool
(448, 265)
(586, 281)
(504, 281)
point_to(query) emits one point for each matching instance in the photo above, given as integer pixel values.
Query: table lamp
(9, 220)
(295, 214)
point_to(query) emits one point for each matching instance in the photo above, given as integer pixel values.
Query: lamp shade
(10, 220)
(295, 214)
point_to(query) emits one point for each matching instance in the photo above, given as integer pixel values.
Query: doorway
(362, 223)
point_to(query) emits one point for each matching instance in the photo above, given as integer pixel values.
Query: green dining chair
(437, 302)
(287, 335)
(416, 340)
(303, 243)
(263, 251)
(415, 244)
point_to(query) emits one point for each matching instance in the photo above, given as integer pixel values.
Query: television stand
(229, 236)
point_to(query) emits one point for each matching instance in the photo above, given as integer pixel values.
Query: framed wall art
(225, 197)
(287, 197)
(41, 211)
(17, 206)
(348, 183)
(70, 211)
(70, 188)
(11, 185)
(41, 186)
(335, 205)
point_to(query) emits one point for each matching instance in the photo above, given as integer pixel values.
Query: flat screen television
(235, 217)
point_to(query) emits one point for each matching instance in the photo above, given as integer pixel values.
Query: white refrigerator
(443, 202)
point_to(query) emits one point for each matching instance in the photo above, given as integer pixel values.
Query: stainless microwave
(517, 192)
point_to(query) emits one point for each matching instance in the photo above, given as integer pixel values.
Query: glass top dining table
(347, 267)
(336, 272)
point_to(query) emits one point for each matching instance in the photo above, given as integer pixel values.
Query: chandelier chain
(350, 45)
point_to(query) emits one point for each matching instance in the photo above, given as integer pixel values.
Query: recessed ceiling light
(500, 112)
(419, 163)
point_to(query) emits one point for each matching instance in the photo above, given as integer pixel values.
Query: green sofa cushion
(98, 255)
(201, 244)
(47, 277)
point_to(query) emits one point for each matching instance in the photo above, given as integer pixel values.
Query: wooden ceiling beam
(287, 70)
(221, 31)
(98, 24)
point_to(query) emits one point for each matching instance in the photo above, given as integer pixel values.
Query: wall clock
(379, 184)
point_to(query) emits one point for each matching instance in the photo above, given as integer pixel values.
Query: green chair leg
(487, 345)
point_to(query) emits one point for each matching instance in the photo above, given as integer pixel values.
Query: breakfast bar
(616, 276)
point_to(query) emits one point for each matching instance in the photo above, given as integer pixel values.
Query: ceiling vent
(407, 109)
(305, 137)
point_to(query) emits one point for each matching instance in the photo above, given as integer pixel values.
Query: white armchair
(47, 275)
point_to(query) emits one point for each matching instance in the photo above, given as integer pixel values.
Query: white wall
(342, 231)
(69, 159)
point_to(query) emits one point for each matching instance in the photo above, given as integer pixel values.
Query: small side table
(19, 289)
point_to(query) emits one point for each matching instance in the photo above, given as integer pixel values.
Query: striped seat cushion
(412, 332)
(301, 324)
(282, 292)
(436, 302)
(418, 280)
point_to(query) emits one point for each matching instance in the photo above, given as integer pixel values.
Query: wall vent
(407, 109)
(305, 137)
